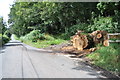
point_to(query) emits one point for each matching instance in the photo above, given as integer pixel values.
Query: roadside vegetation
(4, 33)
(107, 57)
(42, 24)
(3, 39)
(37, 39)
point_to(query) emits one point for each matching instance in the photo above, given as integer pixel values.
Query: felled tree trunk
(84, 44)
(79, 41)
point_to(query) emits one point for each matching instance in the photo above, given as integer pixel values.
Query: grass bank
(44, 43)
(107, 57)
(48, 41)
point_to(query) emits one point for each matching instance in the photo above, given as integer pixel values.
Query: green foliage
(40, 41)
(34, 36)
(0, 35)
(3, 32)
(2, 26)
(108, 8)
(107, 57)
(49, 17)
(73, 29)
(3, 39)
(45, 43)
(49, 37)
(7, 33)
(104, 23)
(16, 37)
(65, 36)
(57, 18)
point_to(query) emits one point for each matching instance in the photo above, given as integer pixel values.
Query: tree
(57, 18)
(2, 26)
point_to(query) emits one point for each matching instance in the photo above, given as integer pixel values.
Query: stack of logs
(86, 43)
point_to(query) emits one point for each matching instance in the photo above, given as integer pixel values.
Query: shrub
(104, 23)
(7, 33)
(65, 36)
(33, 36)
(49, 37)
(73, 29)
(0, 41)
(3, 39)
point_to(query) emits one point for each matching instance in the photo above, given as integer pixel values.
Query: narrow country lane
(23, 61)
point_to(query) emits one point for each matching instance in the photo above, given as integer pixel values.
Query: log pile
(100, 37)
(83, 44)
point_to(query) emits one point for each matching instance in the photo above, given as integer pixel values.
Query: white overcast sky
(5, 8)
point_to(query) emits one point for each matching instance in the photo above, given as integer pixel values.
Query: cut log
(106, 42)
(84, 38)
(85, 44)
(100, 37)
(79, 41)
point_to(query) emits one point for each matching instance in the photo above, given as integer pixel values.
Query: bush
(3, 39)
(65, 36)
(104, 23)
(73, 29)
(7, 33)
(0, 40)
(49, 37)
(33, 36)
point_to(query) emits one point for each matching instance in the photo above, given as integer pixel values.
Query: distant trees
(56, 18)
(4, 33)
(2, 26)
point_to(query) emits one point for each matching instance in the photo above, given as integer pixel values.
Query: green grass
(0, 35)
(44, 43)
(48, 41)
(0, 40)
(107, 57)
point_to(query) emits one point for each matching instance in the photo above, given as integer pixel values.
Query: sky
(5, 8)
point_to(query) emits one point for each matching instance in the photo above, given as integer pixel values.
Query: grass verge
(107, 57)
(50, 40)
(44, 43)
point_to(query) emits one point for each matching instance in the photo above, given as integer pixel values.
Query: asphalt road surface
(22, 61)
